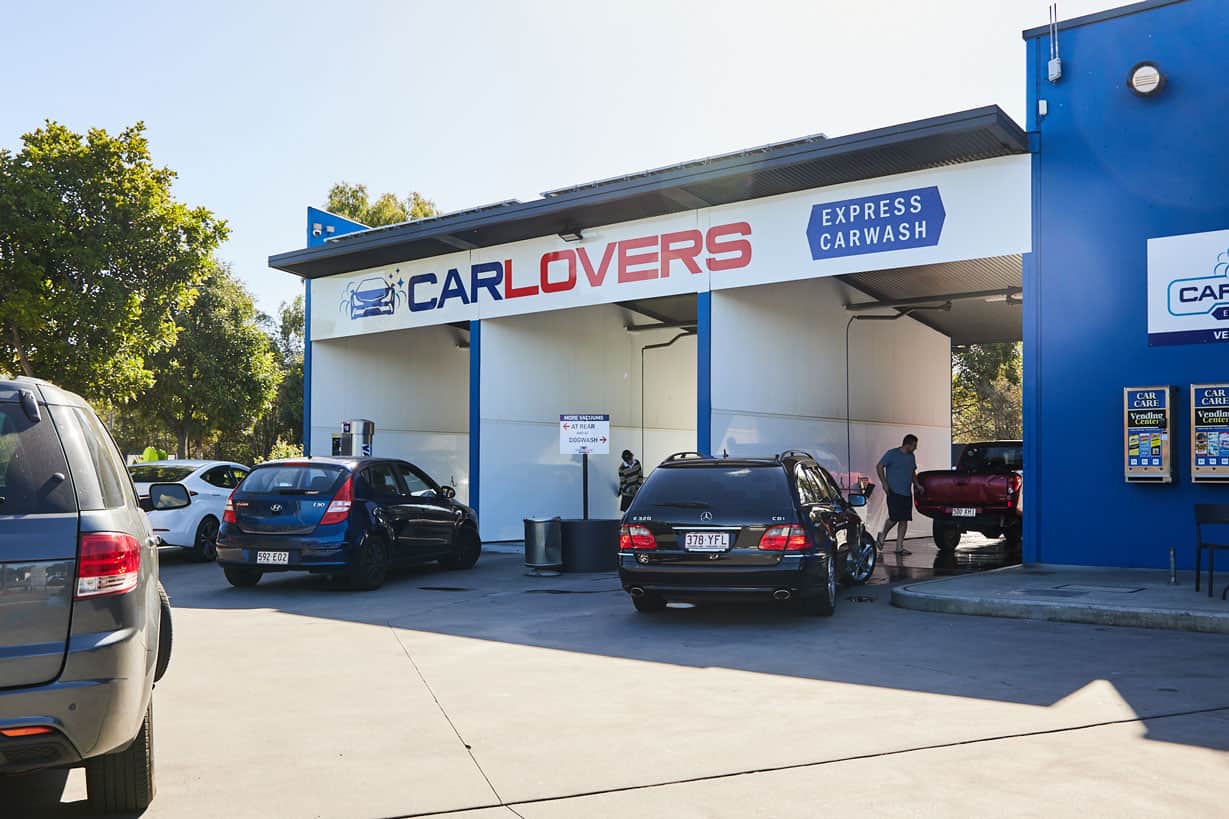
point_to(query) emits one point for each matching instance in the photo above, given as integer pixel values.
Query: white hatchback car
(209, 484)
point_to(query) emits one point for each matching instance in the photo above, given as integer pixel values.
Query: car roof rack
(795, 453)
(685, 455)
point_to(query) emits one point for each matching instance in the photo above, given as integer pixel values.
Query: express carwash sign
(968, 211)
(1188, 288)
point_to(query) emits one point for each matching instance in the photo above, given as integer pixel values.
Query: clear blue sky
(260, 106)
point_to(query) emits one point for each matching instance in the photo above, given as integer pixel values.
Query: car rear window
(292, 479)
(159, 473)
(33, 473)
(733, 490)
(992, 458)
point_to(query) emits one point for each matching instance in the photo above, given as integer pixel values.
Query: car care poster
(1147, 415)
(1210, 433)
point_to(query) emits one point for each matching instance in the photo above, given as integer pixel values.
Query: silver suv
(85, 627)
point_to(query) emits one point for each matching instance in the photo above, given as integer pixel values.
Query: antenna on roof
(1055, 66)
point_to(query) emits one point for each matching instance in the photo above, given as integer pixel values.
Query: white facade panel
(414, 384)
(535, 368)
(778, 380)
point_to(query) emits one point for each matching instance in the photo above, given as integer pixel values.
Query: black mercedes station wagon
(776, 528)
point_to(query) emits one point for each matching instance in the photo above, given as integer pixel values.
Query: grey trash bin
(543, 544)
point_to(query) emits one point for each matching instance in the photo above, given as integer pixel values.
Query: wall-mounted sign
(1188, 289)
(897, 220)
(871, 224)
(1210, 433)
(584, 434)
(1147, 418)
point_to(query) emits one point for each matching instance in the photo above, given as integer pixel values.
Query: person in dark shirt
(631, 476)
(897, 471)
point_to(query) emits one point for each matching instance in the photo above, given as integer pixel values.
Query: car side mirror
(448, 492)
(166, 496)
(857, 500)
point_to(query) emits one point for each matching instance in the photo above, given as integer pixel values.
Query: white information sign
(584, 434)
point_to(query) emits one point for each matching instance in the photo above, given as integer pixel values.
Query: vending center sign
(584, 434)
(968, 211)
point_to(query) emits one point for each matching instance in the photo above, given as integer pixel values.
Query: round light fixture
(1145, 79)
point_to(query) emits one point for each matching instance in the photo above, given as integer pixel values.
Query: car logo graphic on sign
(277, 507)
(706, 516)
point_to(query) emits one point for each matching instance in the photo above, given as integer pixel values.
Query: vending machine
(1147, 421)
(355, 439)
(1210, 433)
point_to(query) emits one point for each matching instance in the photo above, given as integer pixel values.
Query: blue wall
(1112, 170)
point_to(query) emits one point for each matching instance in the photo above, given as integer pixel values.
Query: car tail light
(339, 508)
(33, 731)
(107, 563)
(1014, 482)
(636, 537)
(228, 511)
(785, 539)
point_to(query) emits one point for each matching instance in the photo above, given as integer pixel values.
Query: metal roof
(1099, 17)
(800, 164)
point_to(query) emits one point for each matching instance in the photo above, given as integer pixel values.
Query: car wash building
(807, 294)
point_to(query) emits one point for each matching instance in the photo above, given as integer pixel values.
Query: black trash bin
(591, 545)
(543, 544)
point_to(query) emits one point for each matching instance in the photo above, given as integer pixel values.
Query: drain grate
(861, 598)
(445, 588)
(1096, 587)
(569, 591)
(1052, 592)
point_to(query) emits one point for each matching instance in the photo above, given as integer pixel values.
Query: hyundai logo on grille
(277, 507)
(706, 516)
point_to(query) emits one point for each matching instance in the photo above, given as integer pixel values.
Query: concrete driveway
(502, 695)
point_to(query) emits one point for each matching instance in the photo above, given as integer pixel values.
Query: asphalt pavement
(494, 694)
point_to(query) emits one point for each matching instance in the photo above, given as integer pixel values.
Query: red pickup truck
(983, 493)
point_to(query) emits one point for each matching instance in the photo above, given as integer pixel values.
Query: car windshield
(292, 479)
(159, 473)
(992, 458)
(738, 491)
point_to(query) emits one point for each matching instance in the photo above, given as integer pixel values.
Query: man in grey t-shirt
(897, 471)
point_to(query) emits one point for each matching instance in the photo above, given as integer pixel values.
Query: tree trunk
(182, 435)
(22, 359)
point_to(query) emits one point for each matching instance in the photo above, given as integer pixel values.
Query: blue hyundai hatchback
(354, 518)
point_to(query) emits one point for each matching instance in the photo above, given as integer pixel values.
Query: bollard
(1173, 568)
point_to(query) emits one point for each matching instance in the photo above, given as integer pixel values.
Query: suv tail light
(339, 508)
(1014, 482)
(785, 539)
(228, 511)
(636, 537)
(107, 563)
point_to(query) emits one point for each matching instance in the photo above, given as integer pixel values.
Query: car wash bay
(493, 322)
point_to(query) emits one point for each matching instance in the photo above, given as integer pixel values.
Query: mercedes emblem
(706, 516)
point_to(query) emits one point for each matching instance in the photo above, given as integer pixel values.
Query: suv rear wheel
(241, 576)
(165, 633)
(123, 781)
(947, 535)
(822, 604)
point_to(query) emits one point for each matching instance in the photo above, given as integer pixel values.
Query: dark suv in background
(354, 518)
(774, 528)
(84, 624)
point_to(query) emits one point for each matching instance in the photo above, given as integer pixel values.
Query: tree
(987, 403)
(96, 258)
(283, 423)
(353, 202)
(221, 374)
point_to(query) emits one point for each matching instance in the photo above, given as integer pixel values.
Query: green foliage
(221, 375)
(987, 401)
(152, 453)
(96, 259)
(284, 449)
(284, 420)
(352, 201)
